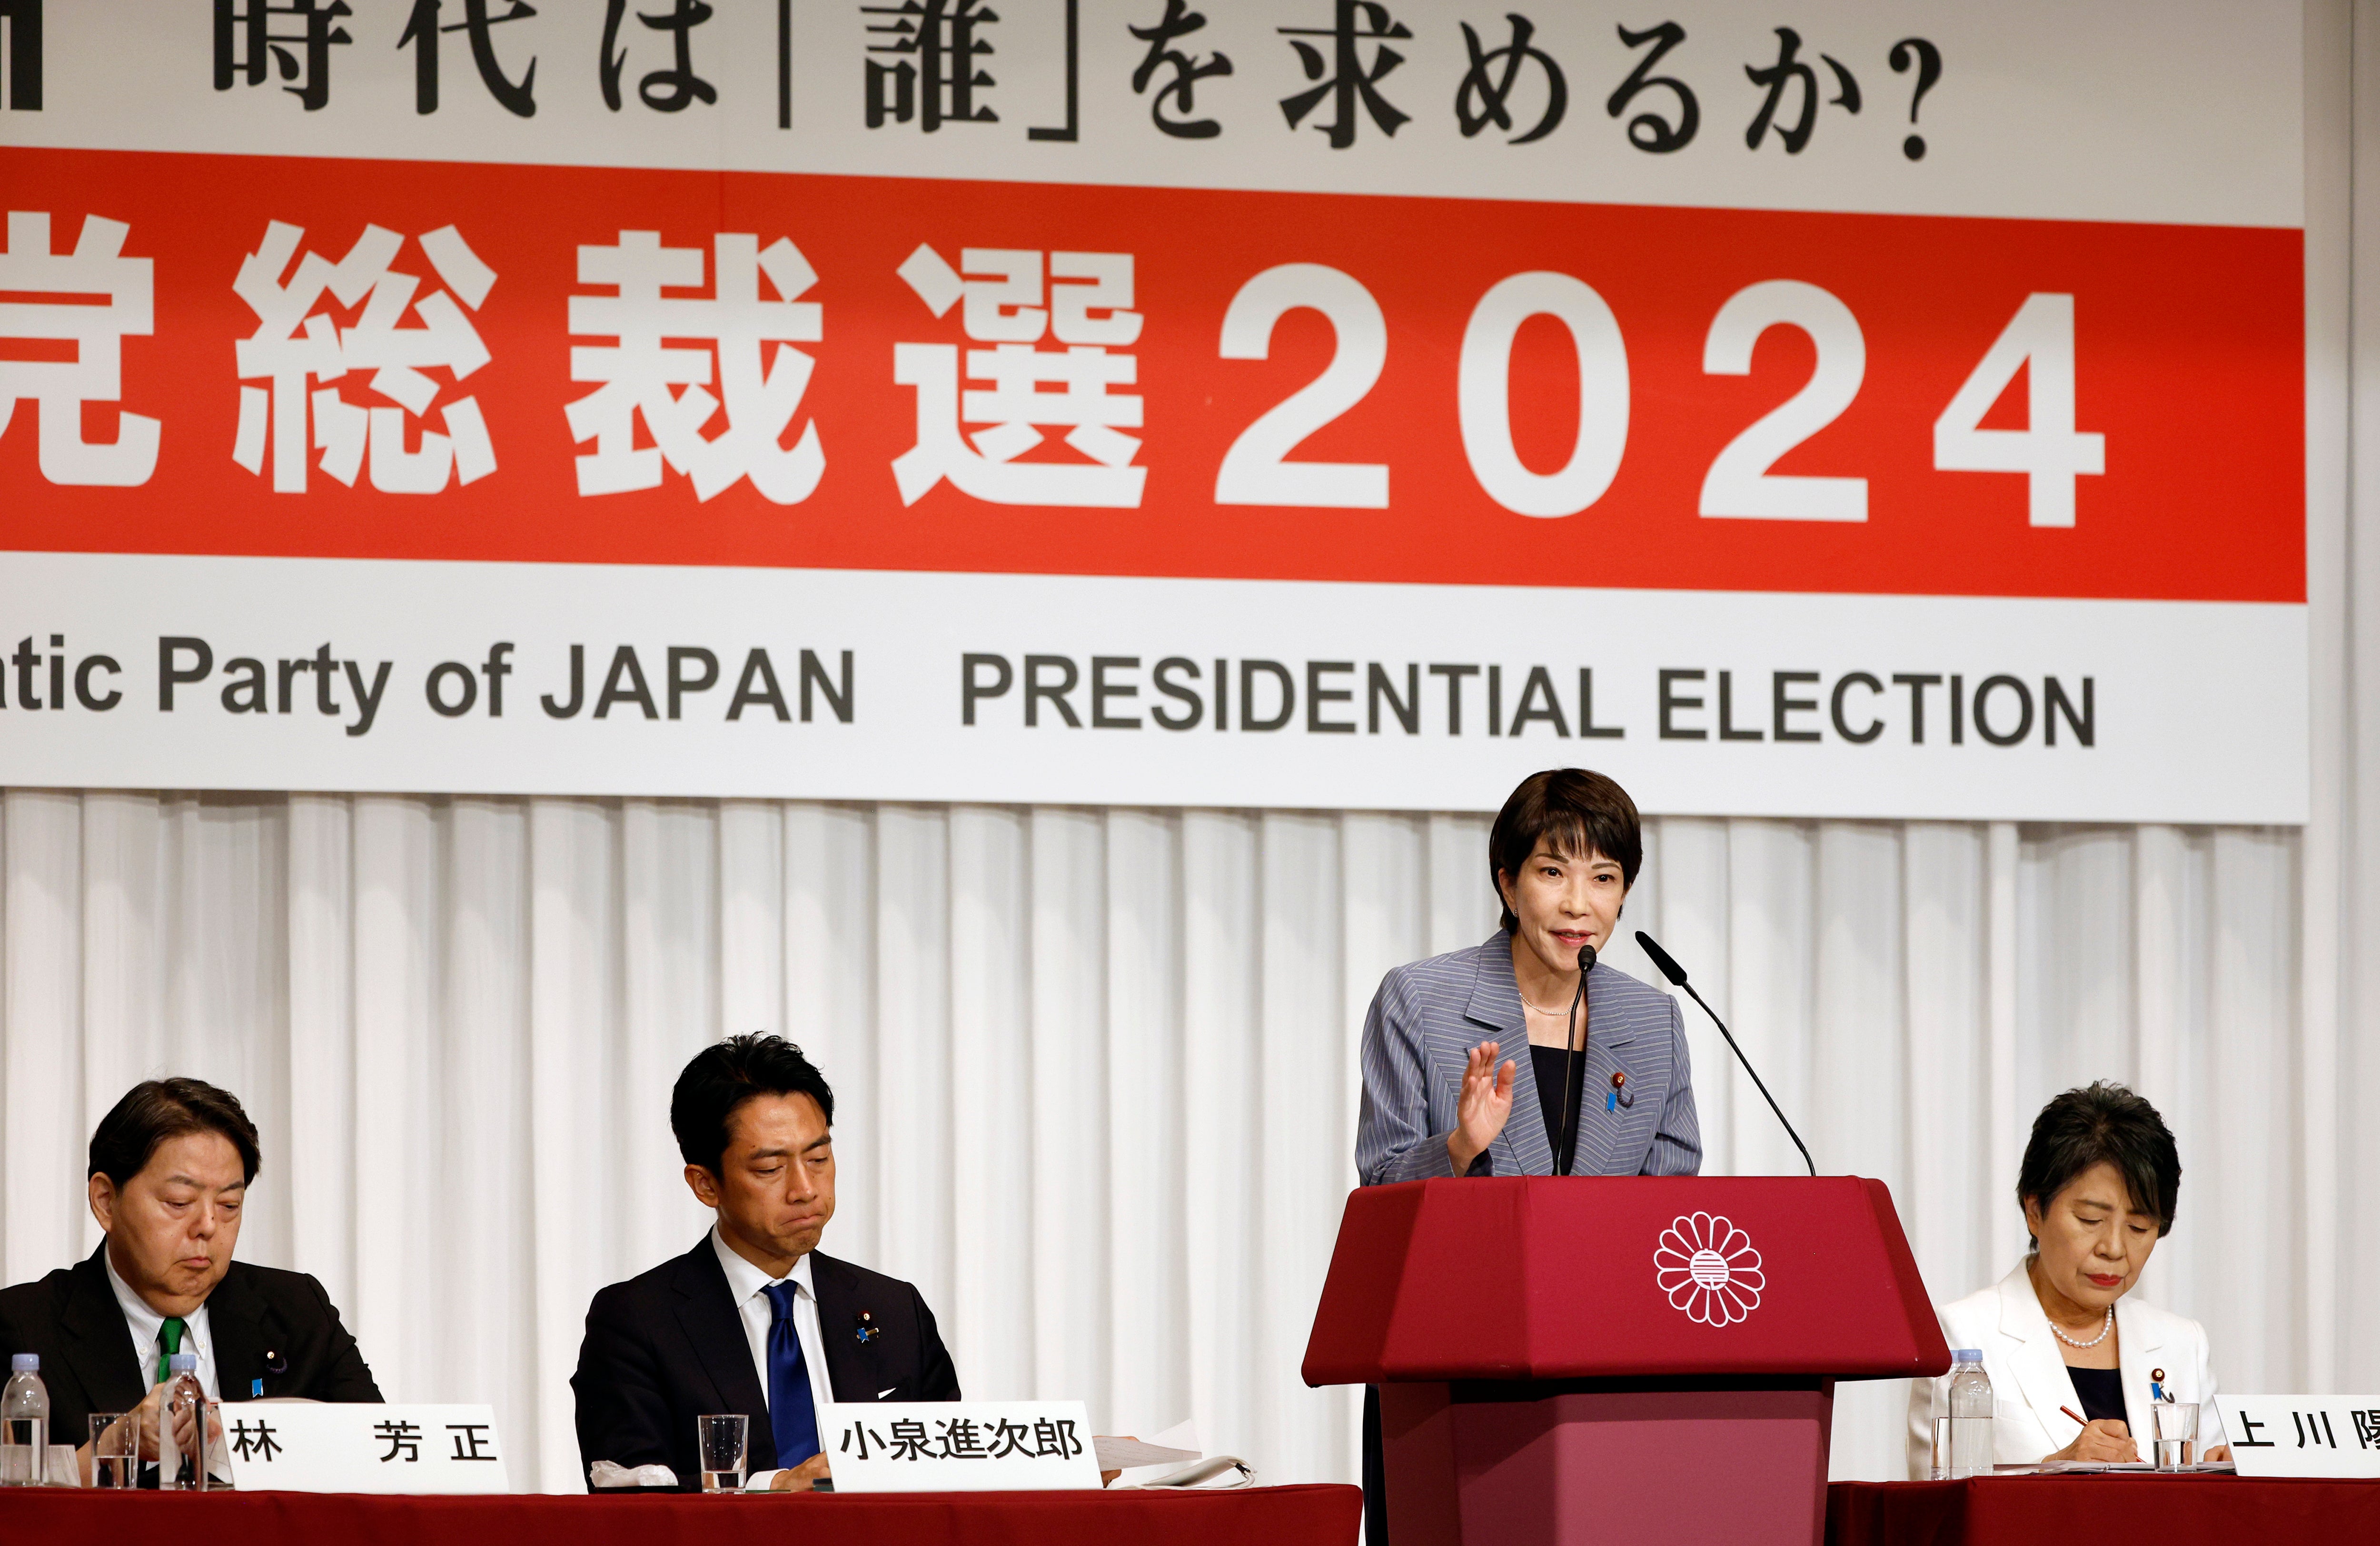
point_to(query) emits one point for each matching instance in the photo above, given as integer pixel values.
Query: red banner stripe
(2187, 344)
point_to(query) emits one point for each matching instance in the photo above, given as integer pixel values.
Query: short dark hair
(726, 1074)
(2103, 1123)
(156, 1110)
(1576, 812)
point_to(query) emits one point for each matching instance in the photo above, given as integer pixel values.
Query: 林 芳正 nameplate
(336, 1447)
(2303, 1435)
(966, 1446)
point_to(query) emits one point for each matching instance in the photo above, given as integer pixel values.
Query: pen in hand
(2075, 1415)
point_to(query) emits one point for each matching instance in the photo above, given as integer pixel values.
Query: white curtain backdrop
(1093, 1070)
(1095, 1067)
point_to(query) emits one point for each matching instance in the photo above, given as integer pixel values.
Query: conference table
(1316, 1516)
(2113, 1506)
(1995, 1511)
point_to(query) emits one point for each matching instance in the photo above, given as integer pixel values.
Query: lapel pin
(275, 1363)
(868, 1330)
(1617, 1096)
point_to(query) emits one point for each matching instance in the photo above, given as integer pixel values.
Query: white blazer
(2030, 1383)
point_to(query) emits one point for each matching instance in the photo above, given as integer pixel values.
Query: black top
(669, 1344)
(2101, 1390)
(1547, 1064)
(272, 1330)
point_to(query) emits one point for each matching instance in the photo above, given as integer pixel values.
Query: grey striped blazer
(1427, 1016)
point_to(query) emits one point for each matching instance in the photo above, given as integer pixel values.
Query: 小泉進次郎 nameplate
(958, 1446)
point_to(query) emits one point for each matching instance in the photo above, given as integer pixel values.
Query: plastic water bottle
(1969, 1396)
(24, 1423)
(184, 1395)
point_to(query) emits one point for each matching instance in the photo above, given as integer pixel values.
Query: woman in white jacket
(2099, 1184)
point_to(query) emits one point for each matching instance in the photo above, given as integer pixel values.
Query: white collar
(146, 1320)
(744, 1281)
(2021, 1316)
(2040, 1367)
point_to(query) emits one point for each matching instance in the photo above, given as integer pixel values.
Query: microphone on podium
(1677, 976)
(1571, 1051)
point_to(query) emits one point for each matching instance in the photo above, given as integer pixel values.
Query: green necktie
(170, 1335)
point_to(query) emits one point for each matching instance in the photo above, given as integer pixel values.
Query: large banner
(1864, 411)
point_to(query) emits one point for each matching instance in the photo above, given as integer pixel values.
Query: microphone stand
(1677, 975)
(1571, 1053)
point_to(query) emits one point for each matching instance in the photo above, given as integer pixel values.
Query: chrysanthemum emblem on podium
(1708, 1269)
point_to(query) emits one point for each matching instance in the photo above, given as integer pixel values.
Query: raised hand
(1480, 1109)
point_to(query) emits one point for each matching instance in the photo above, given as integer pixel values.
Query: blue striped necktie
(793, 1416)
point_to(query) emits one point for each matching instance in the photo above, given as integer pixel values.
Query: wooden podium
(1616, 1359)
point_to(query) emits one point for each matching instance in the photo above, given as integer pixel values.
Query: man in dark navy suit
(756, 1319)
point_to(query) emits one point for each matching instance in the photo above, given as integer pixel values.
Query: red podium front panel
(1577, 1360)
(1565, 1277)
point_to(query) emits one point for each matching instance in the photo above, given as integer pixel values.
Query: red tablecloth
(1251, 1516)
(2116, 1507)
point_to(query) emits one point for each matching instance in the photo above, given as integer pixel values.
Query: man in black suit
(756, 1319)
(170, 1168)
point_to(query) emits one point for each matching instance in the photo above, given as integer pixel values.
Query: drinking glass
(114, 1450)
(2177, 1433)
(719, 1443)
(1941, 1468)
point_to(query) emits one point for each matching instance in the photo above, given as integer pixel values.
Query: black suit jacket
(270, 1325)
(668, 1346)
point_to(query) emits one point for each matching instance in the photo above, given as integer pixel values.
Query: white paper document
(1123, 1454)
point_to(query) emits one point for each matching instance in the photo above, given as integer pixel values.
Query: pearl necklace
(2060, 1332)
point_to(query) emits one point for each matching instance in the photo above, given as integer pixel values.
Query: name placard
(277, 1446)
(2303, 1435)
(958, 1446)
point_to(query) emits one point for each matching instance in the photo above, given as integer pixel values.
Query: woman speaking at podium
(1603, 1089)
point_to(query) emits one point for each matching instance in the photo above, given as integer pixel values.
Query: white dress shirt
(748, 1286)
(2030, 1383)
(144, 1324)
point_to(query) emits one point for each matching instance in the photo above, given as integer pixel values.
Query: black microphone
(1570, 1068)
(1677, 976)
